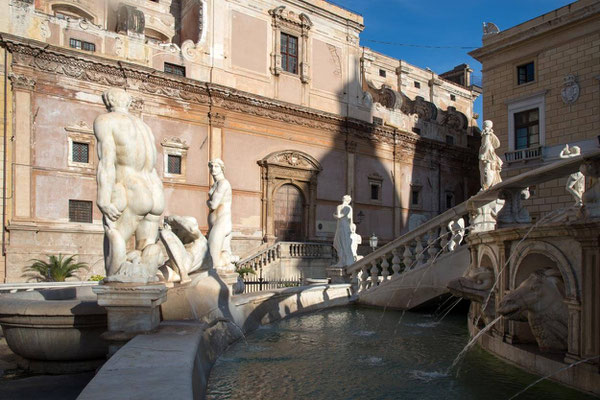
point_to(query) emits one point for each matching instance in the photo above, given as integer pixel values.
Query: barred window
(82, 45)
(174, 69)
(174, 165)
(80, 211)
(289, 53)
(80, 152)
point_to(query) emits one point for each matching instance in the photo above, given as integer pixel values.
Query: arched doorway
(289, 213)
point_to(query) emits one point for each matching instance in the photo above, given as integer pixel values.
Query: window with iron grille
(82, 45)
(174, 69)
(527, 129)
(289, 53)
(80, 211)
(80, 152)
(415, 197)
(375, 191)
(525, 73)
(174, 165)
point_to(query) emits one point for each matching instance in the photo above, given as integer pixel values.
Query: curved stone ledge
(182, 353)
(584, 377)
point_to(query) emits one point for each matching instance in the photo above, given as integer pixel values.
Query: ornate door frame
(289, 167)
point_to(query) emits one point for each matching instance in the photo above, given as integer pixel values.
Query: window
(174, 69)
(382, 73)
(452, 97)
(525, 73)
(174, 165)
(449, 139)
(80, 211)
(418, 85)
(449, 200)
(375, 191)
(80, 152)
(527, 129)
(417, 130)
(415, 197)
(378, 121)
(82, 45)
(289, 53)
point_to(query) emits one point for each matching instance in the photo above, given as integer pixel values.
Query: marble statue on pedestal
(490, 164)
(576, 181)
(342, 242)
(219, 218)
(591, 197)
(130, 193)
(186, 247)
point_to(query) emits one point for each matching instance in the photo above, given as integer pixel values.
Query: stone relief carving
(575, 182)
(490, 165)
(540, 299)
(513, 211)
(130, 193)
(335, 58)
(570, 90)
(79, 127)
(342, 241)
(22, 81)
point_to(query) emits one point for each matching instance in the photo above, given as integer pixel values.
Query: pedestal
(131, 309)
(337, 275)
(231, 280)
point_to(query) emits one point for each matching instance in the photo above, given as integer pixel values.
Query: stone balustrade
(281, 250)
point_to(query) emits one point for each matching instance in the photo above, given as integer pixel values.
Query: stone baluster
(419, 254)
(395, 262)
(385, 272)
(374, 273)
(354, 281)
(407, 256)
(444, 238)
(364, 276)
(432, 244)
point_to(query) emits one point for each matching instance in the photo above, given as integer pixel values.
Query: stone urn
(55, 331)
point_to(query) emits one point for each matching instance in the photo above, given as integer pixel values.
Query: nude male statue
(130, 193)
(219, 218)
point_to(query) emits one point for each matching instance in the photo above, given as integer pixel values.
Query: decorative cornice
(80, 127)
(91, 68)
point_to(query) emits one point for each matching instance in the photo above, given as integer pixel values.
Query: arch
(551, 252)
(156, 35)
(73, 11)
(289, 167)
(484, 251)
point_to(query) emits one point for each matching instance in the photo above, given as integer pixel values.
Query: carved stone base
(337, 275)
(231, 280)
(131, 309)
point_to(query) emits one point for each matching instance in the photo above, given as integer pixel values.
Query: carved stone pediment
(455, 120)
(290, 19)
(175, 142)
(80, 127)
(424, 109)
(385, 95)
(292, 159)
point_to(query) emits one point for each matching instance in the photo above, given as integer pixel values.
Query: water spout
(471, 343)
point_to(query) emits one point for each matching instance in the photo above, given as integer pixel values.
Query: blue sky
(440, 23)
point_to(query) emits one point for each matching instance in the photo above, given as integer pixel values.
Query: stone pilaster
(217, 122)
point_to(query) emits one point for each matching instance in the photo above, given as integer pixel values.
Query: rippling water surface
(358, 353)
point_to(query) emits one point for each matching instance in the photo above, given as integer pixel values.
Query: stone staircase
(416, 267)
(284, 260)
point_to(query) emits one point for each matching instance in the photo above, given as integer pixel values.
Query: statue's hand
(110, 211)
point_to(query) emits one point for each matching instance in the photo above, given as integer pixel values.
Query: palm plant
(57, 269)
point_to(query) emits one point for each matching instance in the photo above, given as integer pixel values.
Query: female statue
(342, 242)
(490, 164)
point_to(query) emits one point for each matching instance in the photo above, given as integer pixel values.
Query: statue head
(488, 125)
(217, 166)
(346, 199)
(116, 99)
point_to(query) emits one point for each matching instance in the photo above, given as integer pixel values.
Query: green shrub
(245, 271)
(57, 269)
(96, 278)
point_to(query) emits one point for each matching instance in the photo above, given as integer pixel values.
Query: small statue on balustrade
(576, 181)
(490, 165)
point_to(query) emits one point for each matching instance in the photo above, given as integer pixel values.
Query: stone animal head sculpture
(474, 286)
(541, 297)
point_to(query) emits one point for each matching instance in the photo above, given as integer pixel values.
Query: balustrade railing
(281, 250)
(415, 249)
(30, 286)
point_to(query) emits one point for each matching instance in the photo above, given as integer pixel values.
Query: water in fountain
(471, 343)
(335, 354)
(552, 374)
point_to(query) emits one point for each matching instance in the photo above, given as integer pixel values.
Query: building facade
(541, 83)
(280, 90)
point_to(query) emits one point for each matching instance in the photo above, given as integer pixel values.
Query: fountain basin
(55, 331)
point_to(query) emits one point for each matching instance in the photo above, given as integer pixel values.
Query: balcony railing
(524, 154)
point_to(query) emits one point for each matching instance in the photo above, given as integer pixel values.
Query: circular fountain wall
(356, 353)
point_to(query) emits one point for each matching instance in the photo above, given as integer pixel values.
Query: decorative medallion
(570, 91)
